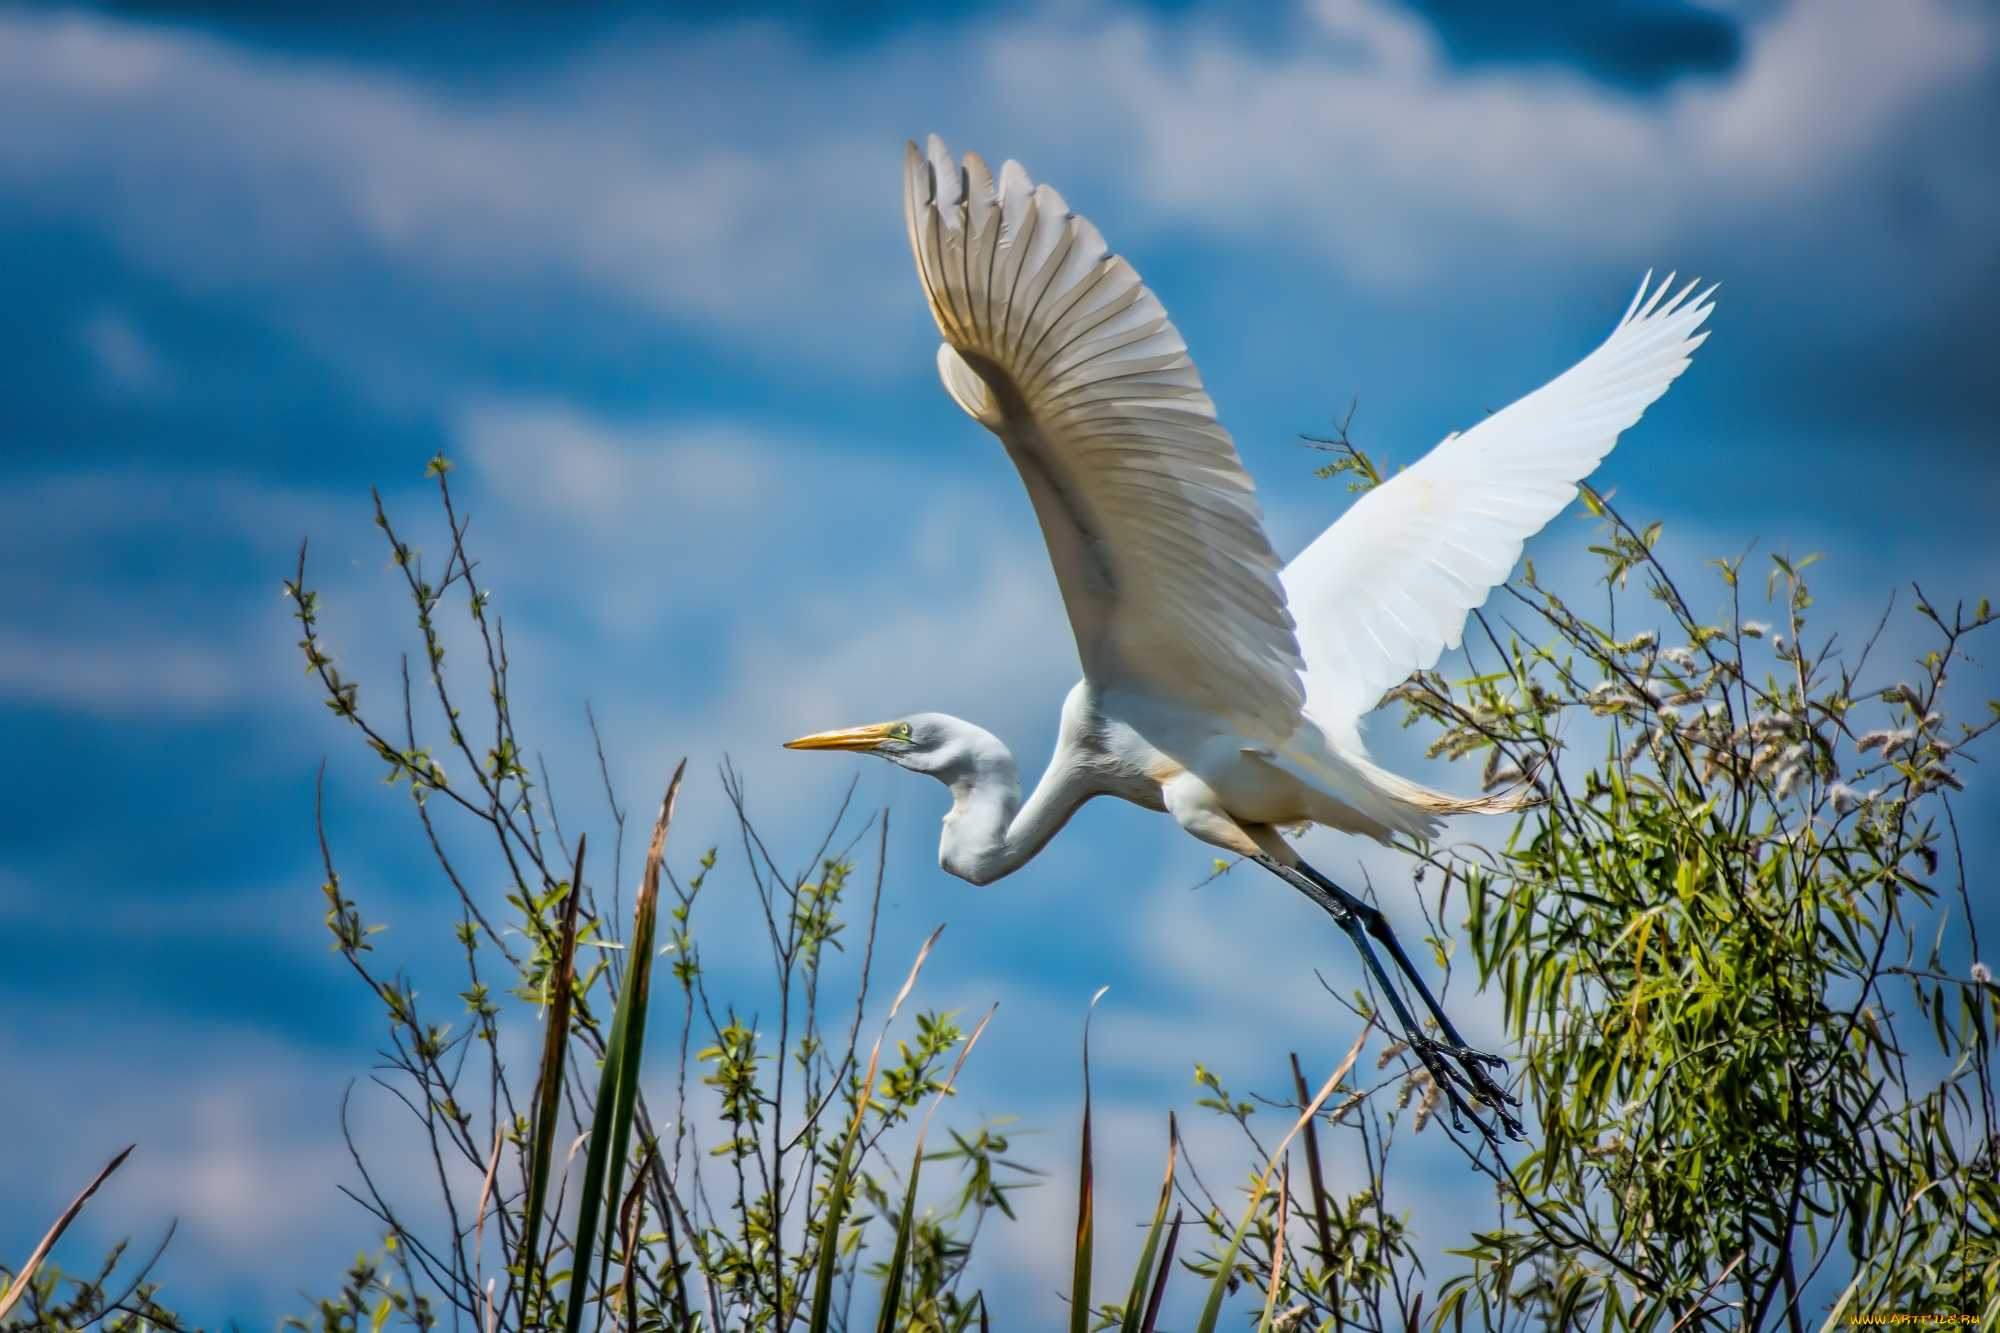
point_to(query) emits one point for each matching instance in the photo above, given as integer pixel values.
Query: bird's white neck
(990, 833)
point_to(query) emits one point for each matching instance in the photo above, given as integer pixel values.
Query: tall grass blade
(27, 1274)
(618, 1083)
(638, 990)
(1226, 1263)
(1141, 1279)
(1160, 1281)
(628, 1228)
(549, 1082)
(1278, 1250)
(1322, 1218)
(1086, 1203)
(485, 1194)
(899, 1258)
(821, 1312)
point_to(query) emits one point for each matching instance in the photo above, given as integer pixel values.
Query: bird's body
(1217, 686)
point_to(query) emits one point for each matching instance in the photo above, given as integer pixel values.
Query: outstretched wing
(1387, 588)
(1054, 345)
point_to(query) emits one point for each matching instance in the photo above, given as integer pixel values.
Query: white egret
(1217, 686)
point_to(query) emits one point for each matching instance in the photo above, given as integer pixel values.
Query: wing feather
(1387, 588)
(1056, 346)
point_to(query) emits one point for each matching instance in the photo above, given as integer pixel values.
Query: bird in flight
(1220, 686)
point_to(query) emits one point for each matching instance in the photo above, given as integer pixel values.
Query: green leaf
(618, 1083)
(1141, 1276)
(549, 1082)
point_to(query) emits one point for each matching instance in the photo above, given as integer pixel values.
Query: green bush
(1718, 933)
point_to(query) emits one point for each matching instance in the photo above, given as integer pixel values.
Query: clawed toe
(1471, 1060)
(1469, 1073)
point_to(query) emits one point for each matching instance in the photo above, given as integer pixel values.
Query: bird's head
(951, 750)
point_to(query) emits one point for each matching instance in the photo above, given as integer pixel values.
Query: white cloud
(1364, 140)
(119, 675)
(220, 165)
(639, 172)
(605, 480)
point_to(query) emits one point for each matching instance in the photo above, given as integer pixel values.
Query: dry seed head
(1426, 1108)
(1773, 724)
(1419, 1079)
(1608, 696)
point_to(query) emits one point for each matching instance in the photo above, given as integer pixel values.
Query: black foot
(1469, 1073)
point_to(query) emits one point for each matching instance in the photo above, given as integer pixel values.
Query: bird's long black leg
(1361, 919)
(1377, 925)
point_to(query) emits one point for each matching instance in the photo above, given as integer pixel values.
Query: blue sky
(641, 272)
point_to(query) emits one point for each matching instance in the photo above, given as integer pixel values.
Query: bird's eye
(900, 732)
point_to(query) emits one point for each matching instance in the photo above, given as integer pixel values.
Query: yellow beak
(851, 738)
